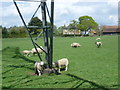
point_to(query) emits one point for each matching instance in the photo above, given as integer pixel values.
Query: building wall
(71, 32)
(111, 30)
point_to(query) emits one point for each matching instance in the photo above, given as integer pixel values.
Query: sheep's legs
(39, 73)
(66, 68)
(27, 54)
(59, 70)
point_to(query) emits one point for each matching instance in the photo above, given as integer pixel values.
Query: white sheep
(33, 51)
(98, 38)
(39, 66)
(98, 44)
(75, 45)
(60, 63)
(26, 52)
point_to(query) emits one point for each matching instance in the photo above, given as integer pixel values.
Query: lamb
(26, 52)
(98, 38)
(39, 66)
(60, 63)
(98, 44)
(33, 51)
(75, 45)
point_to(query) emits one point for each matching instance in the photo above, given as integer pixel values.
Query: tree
(35, 22)
(73, 24)
(86, 22)
(0, 31)
(4, 32)
(60, 29)
(14, 32)
(23, 32)
(100, 30)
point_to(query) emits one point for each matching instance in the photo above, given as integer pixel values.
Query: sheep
(98, 38)
(39, 66)
(98, 44)
(26, 52)
(75, 45)
(60, 63)
(33, 51)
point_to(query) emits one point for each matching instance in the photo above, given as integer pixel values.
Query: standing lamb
(60, 63)
(26, 52)
(98, 44)
(75, 45)
(39, 66)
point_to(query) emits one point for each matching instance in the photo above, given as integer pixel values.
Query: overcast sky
(104, 12)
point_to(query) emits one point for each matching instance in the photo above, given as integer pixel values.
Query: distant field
(89, 66)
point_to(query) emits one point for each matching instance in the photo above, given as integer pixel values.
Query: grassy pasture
(89, 66)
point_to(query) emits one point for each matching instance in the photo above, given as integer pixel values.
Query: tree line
(13, 32)
(83, 23)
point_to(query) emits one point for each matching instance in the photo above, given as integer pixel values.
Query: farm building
(92, 33)
(89, 32)
(71, 32)
(111, 30)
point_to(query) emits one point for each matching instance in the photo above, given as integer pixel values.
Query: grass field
(89, 66)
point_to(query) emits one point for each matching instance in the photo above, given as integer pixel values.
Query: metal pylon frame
(47, 34)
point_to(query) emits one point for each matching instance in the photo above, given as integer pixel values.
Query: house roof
(111, 28)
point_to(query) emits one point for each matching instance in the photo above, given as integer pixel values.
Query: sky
(104, 12)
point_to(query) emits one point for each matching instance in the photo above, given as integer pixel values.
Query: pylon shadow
(19, 55)
(81, 81)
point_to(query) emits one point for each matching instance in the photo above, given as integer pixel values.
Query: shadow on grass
(19, 82)
(8, 70)
(16, 54)
(79, 83)
(16, 51)
(53, 83)
(14, 82)
(21, 66)
(5, 49)
(19, 55)
(116, 85)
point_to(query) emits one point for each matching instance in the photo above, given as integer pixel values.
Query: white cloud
(9, 11)
(75, 11)
(65, 11)
(6, 1)
(113, 3)
(113, 18)
(10, 14)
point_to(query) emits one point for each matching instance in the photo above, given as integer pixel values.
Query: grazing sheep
(39, 66)
(33, 51)
(26, 52)
(60, 63)
(75, 45)
(98, 44)
(98, 38)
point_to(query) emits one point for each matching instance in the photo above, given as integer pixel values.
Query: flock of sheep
(39, 66)
(97, 43)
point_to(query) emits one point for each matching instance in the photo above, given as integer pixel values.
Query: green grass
(89, 66)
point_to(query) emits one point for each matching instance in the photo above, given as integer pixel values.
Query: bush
(4, 31)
